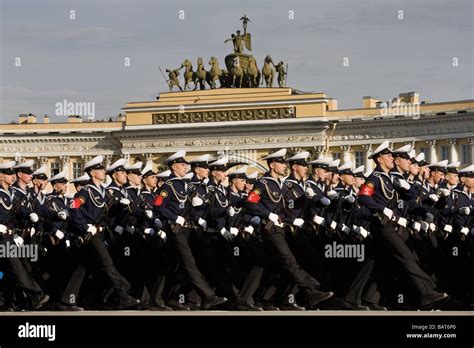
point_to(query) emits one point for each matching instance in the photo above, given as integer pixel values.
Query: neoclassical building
(246, 124)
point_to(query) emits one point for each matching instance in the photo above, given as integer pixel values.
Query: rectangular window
(465, 153)
(76, 169)
(54, 168)
(336, 155)
(444, 153)
(359, 158)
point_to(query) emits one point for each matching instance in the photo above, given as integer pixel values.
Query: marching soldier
(379, 195)
(266, 201)
(16, 272)
(88, 212)
(173, 206)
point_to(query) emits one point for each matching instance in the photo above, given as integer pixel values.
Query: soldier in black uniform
(16, 274)
(379, 195)
(88, 212)
(173, 206)
(266, 201)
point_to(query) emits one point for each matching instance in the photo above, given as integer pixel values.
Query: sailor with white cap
(121, 211)
(379, 196)
(40, 181)
(80, 181)
(21, 275)
(437, 175)
(172, 206)
(295, 190)
(451, 176)
(319, 172)
(267, 202)
(359, 177)
(198, 190)
(88, 218)
(57, 205)
(219, 204)
(24, 195)
(134, 179)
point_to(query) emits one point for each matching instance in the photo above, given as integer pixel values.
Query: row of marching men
(183, 240)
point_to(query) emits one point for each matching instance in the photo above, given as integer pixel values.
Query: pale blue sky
(81, 60)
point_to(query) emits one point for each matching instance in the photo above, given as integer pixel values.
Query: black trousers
(387, 238)
(98, 251)
(21, 275)
(186, 260)
(278, 245)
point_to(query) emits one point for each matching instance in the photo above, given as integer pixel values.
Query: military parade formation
(210, 234)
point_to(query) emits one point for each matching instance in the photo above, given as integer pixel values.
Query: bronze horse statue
(189, 74)
(268, 72)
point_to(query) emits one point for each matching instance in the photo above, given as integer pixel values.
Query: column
(453, 152)
(346, 153)
(432, 157)
(148, 158)
(367, 151)
(471, 142)
(65, 165)
(108, 160)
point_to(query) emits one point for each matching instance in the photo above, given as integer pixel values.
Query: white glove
(202, 223)
(63, 214)
(231, 211)
(234, 231)
(445, 192)
(34, 217)
(148, 213)
(465, 210)
(59, 234)
(424, 226)
(433, 197)
(309, 192)
(448, 228)
(333, 225)
(118, 229)
(332, 195)
(465, 230)
(180, 220)
(404, 184)
(432, 227)
(325, 201)
(388, 213)
(349, 199)
(124, 201)
(32, 231)
(149, 231)
(345, 229)
(416, 226)
(273, 218)
(318, 220)
(197, 201)
(3, 229)
(298, 222)
(363, 232)
(402, 221)
(92, 229)
(162, 235)
(226, 234)
(249, 229)
(18, 240)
